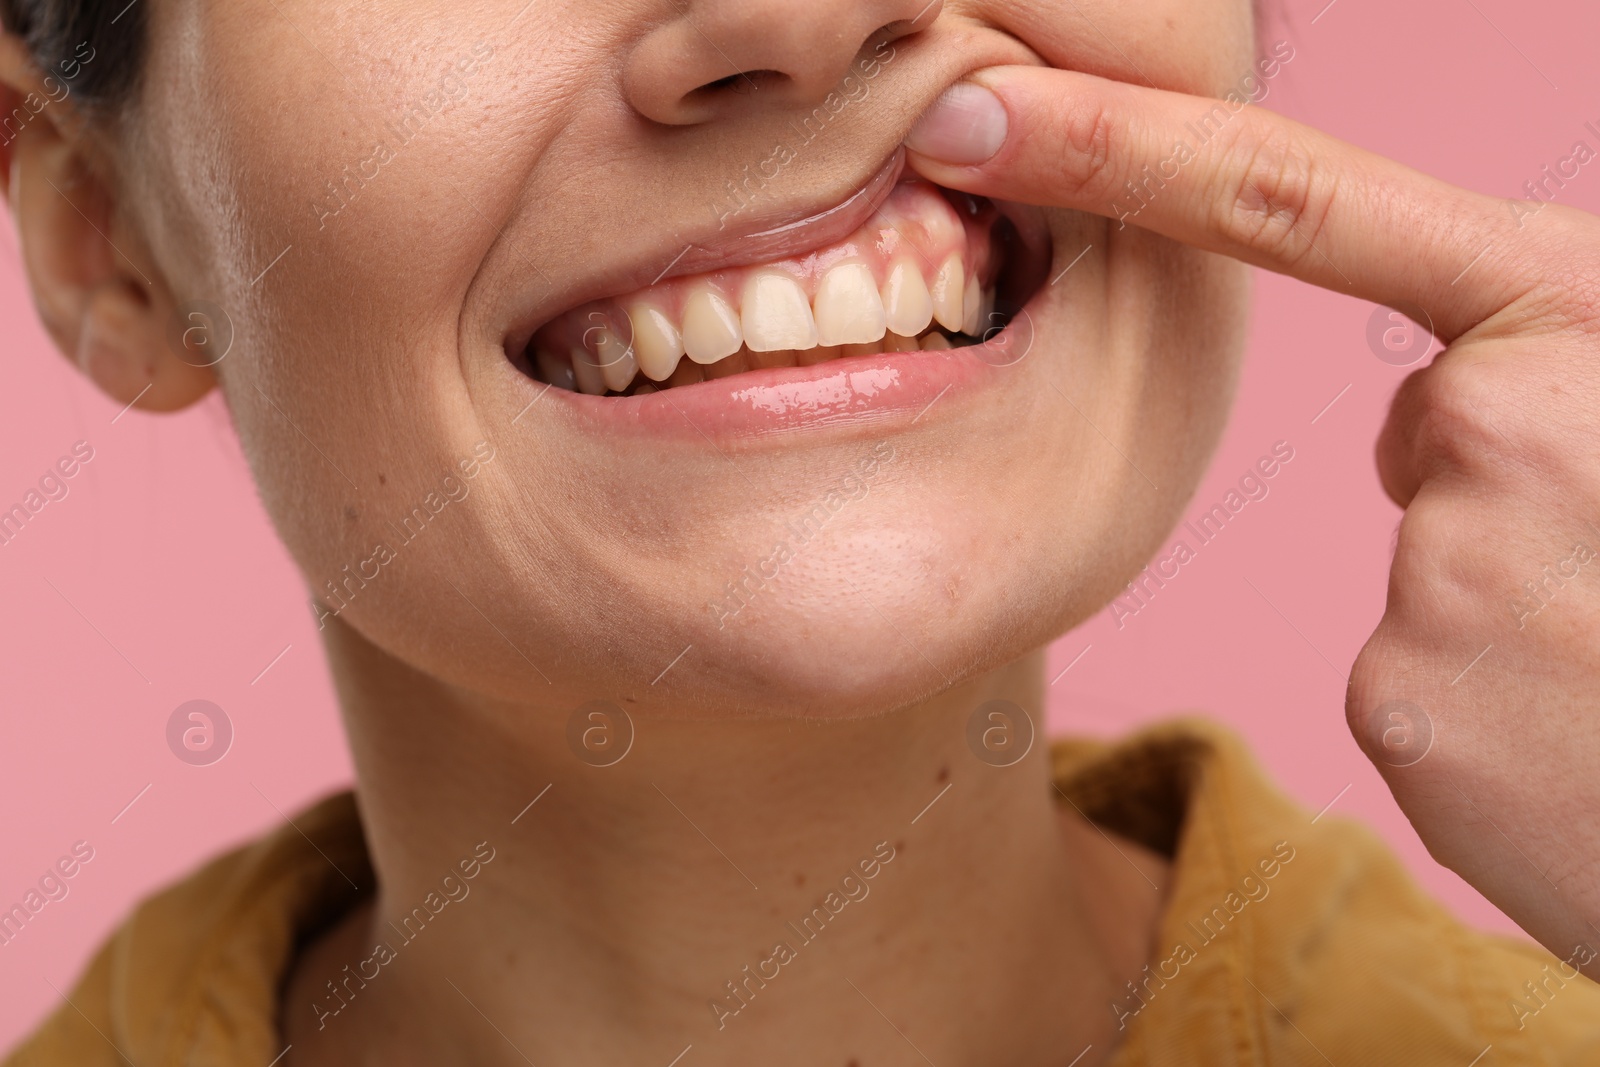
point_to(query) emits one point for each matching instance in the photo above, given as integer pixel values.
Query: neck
(738, 887)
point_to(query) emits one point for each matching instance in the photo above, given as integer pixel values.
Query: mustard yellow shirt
(1284, 942)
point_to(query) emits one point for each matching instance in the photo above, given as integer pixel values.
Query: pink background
(169, 584)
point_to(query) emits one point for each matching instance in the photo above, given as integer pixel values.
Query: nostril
(730, 57)
(890, 32)
(746, 81)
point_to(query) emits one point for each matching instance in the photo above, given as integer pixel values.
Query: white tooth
(986, 319)
(617, 364)
(907, 306)
(556, 371)
(935, 342)
(849, 310)
(710, 326)
(971, 298)
(657, 344)
(587, 372)
(775, 313)
(947, 294)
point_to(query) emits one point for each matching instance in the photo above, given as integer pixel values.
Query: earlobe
(106, 312)
(122, 348)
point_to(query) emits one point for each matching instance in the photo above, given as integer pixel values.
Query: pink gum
(915, 221)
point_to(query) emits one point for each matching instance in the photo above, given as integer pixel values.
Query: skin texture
(775, 753)
(358, 385)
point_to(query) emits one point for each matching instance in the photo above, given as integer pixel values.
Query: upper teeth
(947, 291)
(617, 361)
(773, 315)
(711, 329)
(917, 265)
(908, 308)
(848, 308)
(657, 341)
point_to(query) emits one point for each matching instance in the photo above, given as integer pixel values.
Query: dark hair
(94, 46)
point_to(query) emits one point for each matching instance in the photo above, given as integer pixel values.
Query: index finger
(1232, 179)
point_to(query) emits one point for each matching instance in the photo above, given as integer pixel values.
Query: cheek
(341, 268)
(1199, 319)
(1193, 46)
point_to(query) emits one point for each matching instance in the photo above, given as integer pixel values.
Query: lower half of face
(570, 395)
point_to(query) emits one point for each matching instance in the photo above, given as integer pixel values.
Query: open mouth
(933, 269)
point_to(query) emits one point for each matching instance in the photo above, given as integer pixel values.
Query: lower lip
(885, 393)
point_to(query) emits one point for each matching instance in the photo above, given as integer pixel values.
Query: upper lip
(759, 237)
(776, 234)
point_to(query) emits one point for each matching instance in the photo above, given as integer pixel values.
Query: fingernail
(966, 125)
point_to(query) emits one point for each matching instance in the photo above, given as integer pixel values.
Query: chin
(878, 617)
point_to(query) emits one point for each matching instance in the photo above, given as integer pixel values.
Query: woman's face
(399, 204)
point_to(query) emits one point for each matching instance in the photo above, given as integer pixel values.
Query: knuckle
(1396, 459)
(1434, 565)
(1586, 306)
(1459, 428)
(1570, 301)
(1375, 719)
(1566, 253)
(1087, 133)
(1280, 200)
(1515, 422)
(1561, 266)
(1581, 280)
(1368, 679)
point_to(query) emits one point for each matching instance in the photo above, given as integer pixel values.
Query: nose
(716, 55)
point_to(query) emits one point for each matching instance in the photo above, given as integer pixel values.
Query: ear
(96, 289)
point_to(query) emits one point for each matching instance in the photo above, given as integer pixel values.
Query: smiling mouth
(933, 269)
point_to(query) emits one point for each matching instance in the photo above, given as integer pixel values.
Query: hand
(1490, 642)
